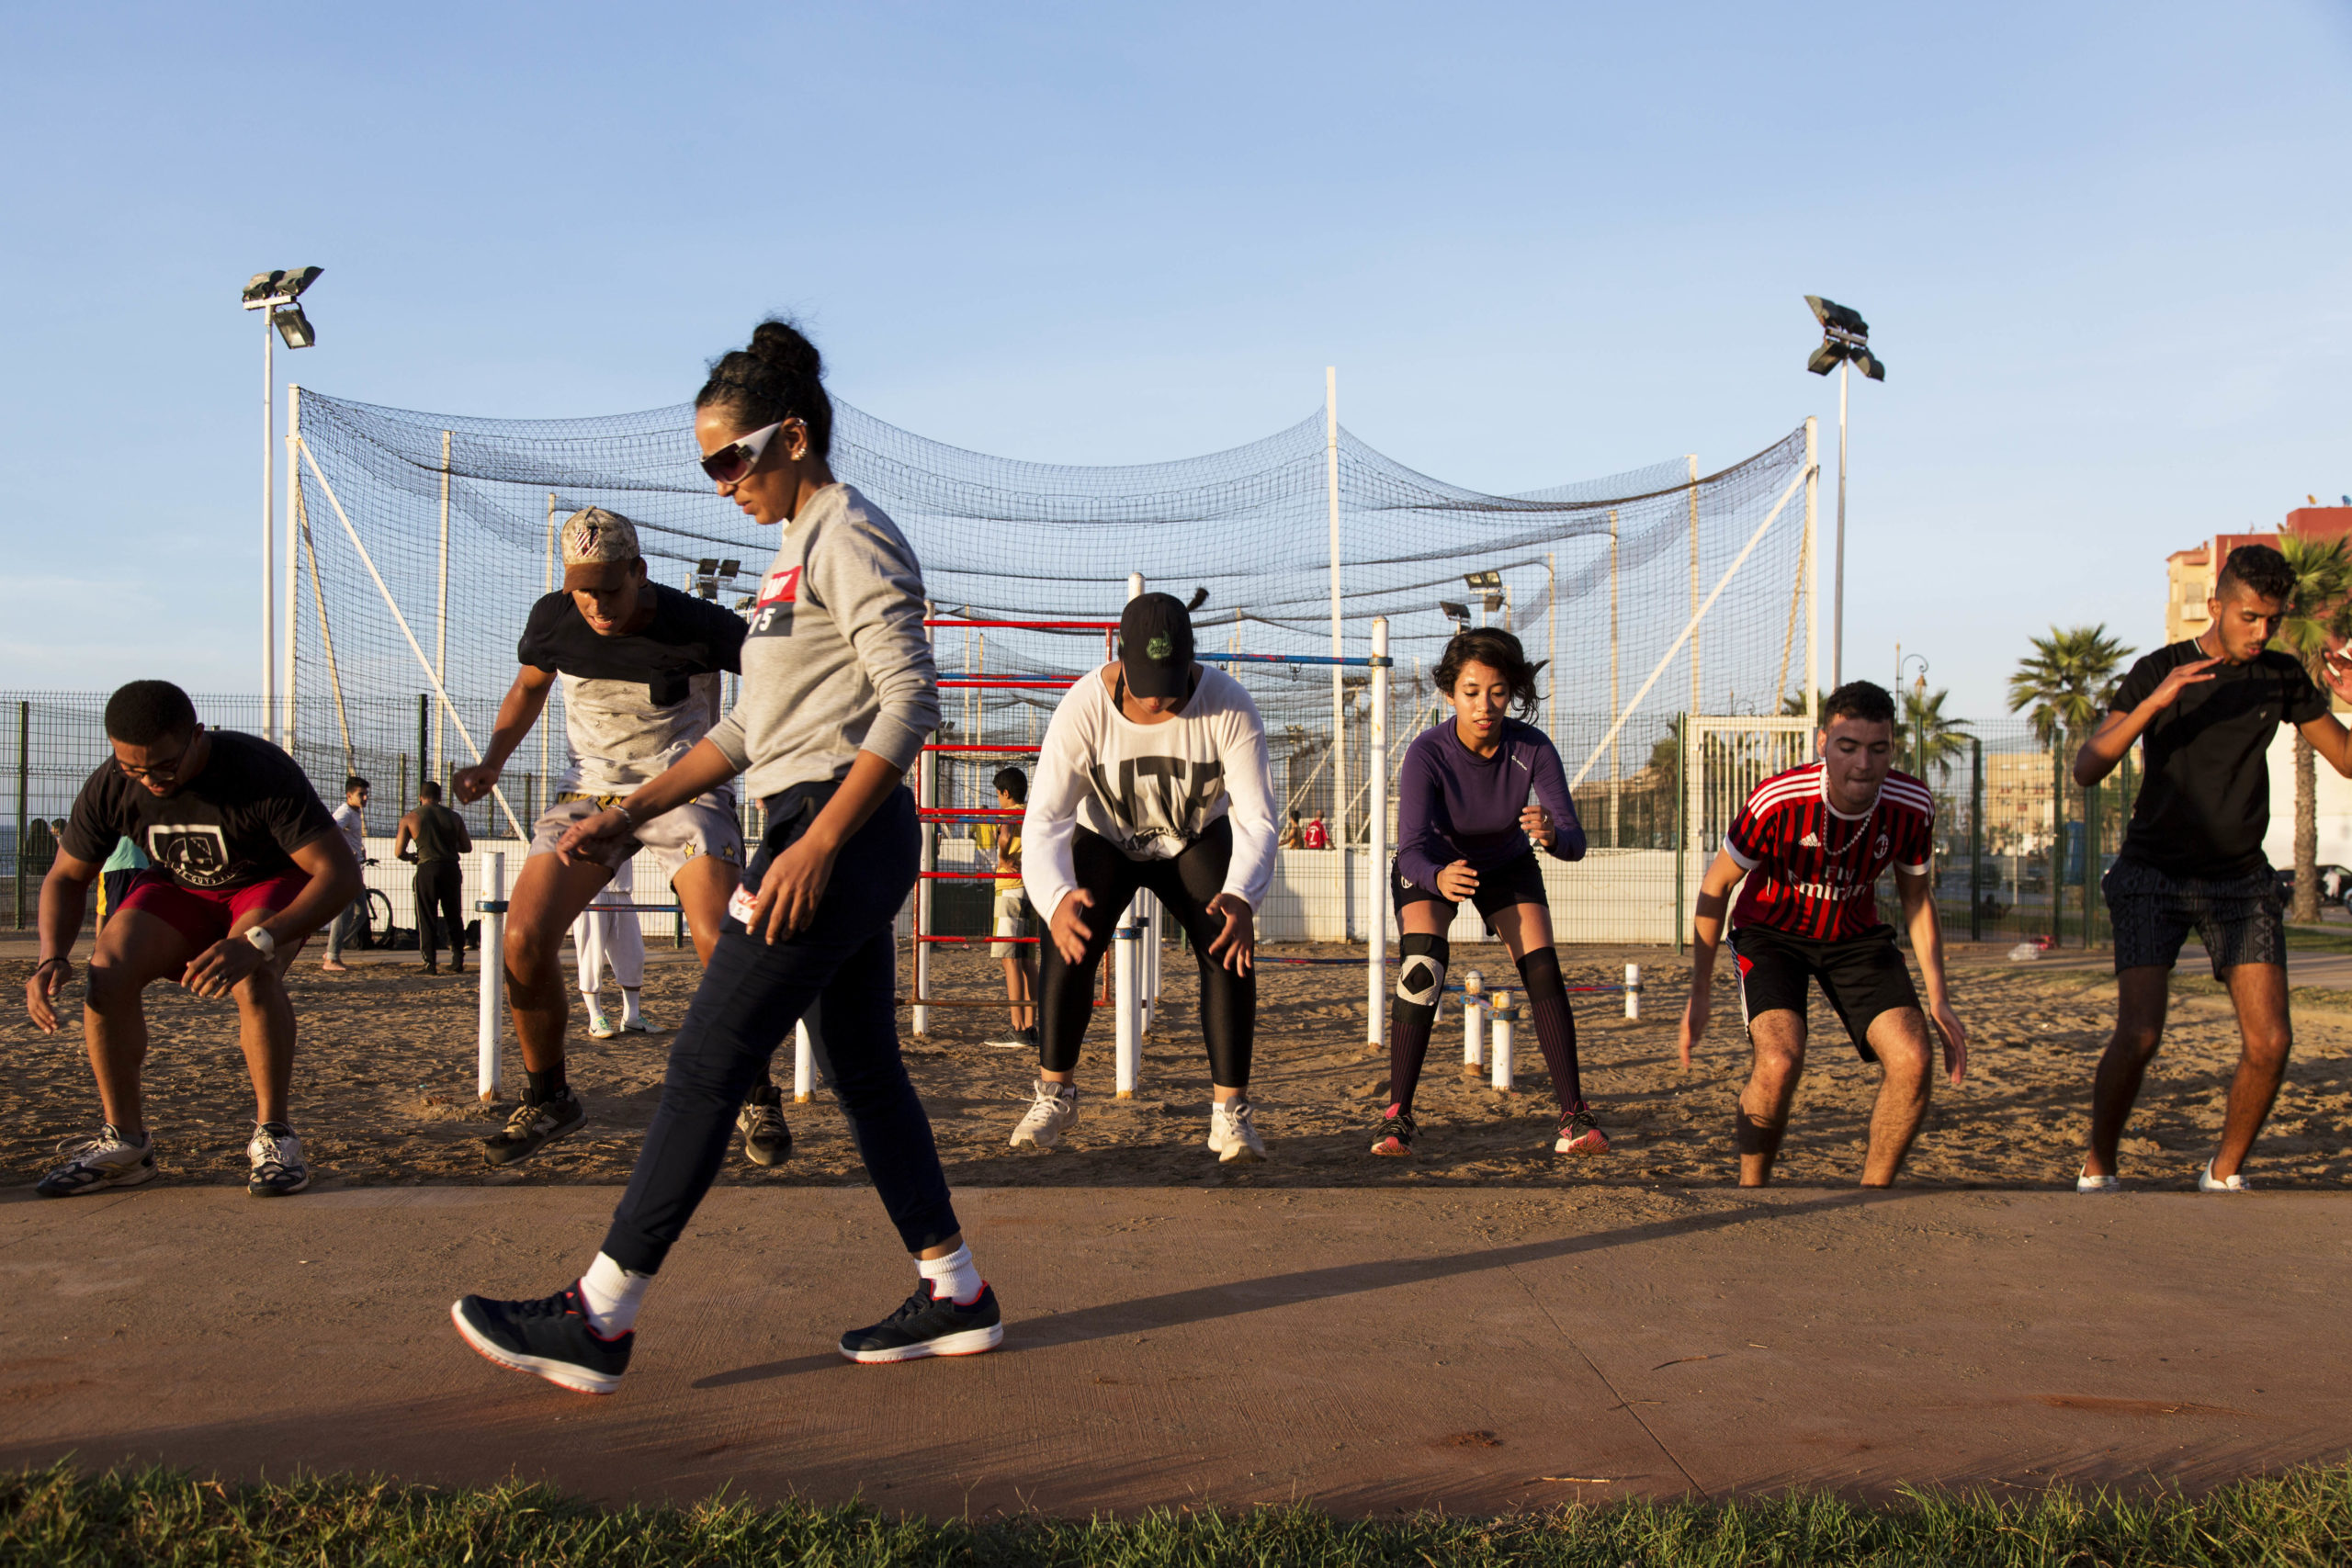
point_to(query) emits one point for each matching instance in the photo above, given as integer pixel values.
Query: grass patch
(155, 1517)
(2319, 939)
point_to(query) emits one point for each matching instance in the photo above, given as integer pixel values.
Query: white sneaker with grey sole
(1053, 1112)
(1233, 1132)
(276, 1156)
(107, 1157)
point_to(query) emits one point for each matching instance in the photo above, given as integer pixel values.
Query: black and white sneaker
(926, 1326)
(107, 1157)
(767, 1139)
(534, 1124)
(277, 1157)
(549, 1339)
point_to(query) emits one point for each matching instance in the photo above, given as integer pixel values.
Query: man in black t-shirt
(2204, 713)
(640, 666)
(247, 864)
(434, 837)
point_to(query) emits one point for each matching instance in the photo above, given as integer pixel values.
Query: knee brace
(1540, 972)
(1421, 972)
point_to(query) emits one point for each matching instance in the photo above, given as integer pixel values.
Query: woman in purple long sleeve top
(1467, 830)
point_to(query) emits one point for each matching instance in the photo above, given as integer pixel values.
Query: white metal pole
(1474, 1025)
(1838, 612)
(1376, 871)
(268, 535)
(1633, 990)
(441, 605)
(1812, 567)
(804, 1063)
(1695, 700)
(1616, 772)
(293, 595)
(1552, 635)
(1339, 646)
(1125, 1009)
(1503, 1057)
(489, 1061)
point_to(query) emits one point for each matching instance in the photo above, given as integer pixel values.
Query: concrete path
(1368, 1350)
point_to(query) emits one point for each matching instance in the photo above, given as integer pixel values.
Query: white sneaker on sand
(2085, 1182)
(1233, 1132)
(1053, 1112)
(2209, 1182)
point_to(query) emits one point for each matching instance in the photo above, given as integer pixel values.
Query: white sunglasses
(733, 463)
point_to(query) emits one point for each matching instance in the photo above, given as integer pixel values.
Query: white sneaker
(276, 1156)
(1233, 1132)
(636, 1025)
(2209, 1182)
(2085, 1182)
(107, 1157)
(1052, 1114)
(600, 1027)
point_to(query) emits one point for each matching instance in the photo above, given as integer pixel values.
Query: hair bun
(779, 342)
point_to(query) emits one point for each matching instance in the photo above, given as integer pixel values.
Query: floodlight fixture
(1845, 340)
(730, 568)
(280, 288)
(293, 326)
(1493, 602)
(1458, 614)
(745, 603)
(1487, 579)
(707, 567)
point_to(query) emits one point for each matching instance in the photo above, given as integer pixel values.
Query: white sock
(612, 1295)
(629, 1007)
(595, 1006)
(951, 1276)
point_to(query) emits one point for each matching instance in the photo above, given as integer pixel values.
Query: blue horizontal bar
(1377, 661)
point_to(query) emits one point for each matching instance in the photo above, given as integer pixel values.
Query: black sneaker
(767, 1139)
(1394, 1137)
(534, 1124)
(550, 1338)
(924, 1326)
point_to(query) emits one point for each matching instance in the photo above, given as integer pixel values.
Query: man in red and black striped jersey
(1815, 840)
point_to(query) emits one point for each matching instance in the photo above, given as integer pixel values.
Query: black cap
(1156, 645)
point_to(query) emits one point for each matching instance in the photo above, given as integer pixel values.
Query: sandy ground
(384, 1089)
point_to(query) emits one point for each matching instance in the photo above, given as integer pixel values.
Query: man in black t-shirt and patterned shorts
(2204, 713)
(247, 864)
(1812, 843)
(640, 665)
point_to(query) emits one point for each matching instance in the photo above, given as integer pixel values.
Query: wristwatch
(259, 936)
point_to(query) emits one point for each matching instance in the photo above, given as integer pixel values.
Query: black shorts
(2240, 919)
(1519, 881)
(1862, 976)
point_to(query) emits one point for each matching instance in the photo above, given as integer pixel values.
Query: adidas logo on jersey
(1809, 842)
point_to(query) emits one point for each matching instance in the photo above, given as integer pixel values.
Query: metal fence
(2019, 848)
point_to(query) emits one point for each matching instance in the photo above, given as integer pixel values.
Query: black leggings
(441, 903)
(1185, 885)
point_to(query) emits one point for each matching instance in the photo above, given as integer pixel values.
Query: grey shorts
(703, 826)
(1012, 921)
(2239, 919)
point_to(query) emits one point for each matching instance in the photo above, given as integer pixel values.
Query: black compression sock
(1556, 1026)
(547, 1086)
(1413, 1012)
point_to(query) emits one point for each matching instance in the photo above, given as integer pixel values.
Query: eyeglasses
(733, 463)
(164, 771)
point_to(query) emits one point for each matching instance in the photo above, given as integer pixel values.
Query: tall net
(449, 525)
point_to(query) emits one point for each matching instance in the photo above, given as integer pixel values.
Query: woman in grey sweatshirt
(838, 695)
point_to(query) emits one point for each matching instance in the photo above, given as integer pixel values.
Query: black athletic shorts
(1519, 881)
(1862, 976)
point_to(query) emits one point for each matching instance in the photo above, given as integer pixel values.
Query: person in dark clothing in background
(434, 837)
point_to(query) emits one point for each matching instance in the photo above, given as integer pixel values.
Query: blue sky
(2106, 251)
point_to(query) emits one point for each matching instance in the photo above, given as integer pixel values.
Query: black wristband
(46, 962)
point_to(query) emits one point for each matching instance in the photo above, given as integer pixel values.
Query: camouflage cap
(594, 537)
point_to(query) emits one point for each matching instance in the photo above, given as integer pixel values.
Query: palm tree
(2067, 681)
(2063, 688)
(2319, 612)
(1933, 739)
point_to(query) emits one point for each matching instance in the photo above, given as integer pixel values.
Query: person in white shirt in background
(613, 939)
(352, 817)
(1153, 776)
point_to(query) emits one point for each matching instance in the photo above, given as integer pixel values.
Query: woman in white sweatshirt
(1152, 777)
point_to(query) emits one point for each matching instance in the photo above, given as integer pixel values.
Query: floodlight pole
(268, 532)
(1837, 591)
(1338, 649)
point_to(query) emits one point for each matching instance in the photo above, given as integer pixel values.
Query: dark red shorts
(204, 916)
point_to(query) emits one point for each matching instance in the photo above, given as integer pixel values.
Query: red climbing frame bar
(961, 876)
(969, 939)
(1010, 684)
(967, 813)
(934, 746)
